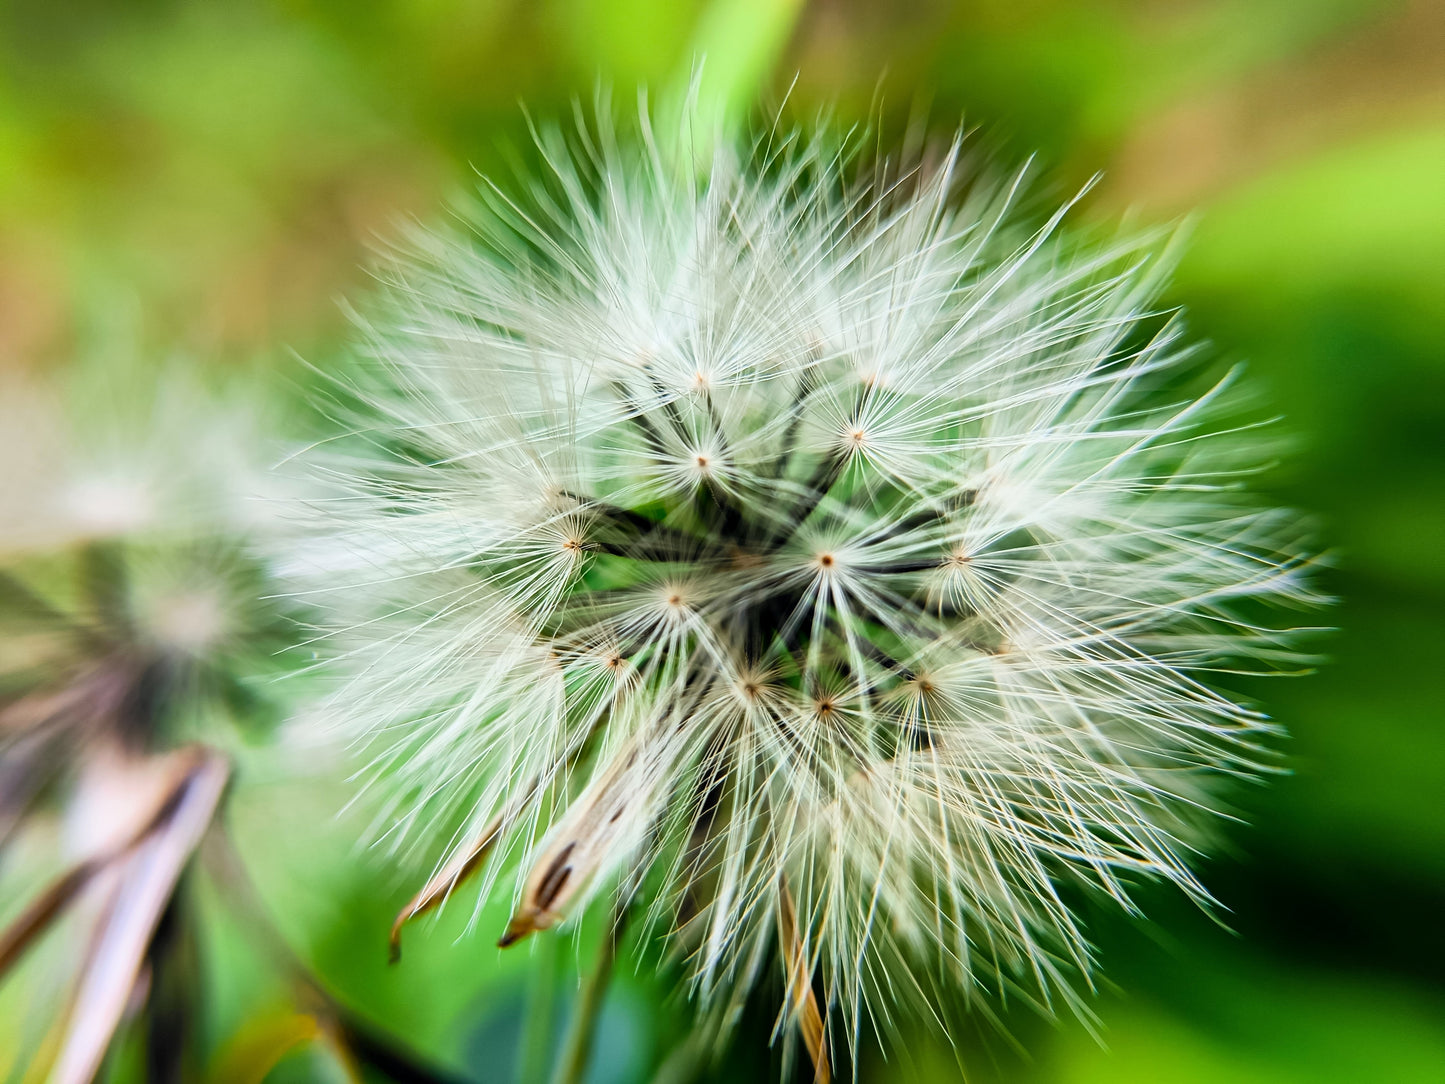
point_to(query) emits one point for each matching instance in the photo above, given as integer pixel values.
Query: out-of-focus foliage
(221, 168)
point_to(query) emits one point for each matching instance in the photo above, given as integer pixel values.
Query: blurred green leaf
(1275, 1029)
(736, 44)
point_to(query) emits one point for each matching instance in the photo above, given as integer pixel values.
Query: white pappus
(802, 547)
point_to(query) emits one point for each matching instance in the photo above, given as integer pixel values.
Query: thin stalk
(572, 1065)
(540, 1023)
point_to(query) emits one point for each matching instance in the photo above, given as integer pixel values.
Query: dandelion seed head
(811, 540)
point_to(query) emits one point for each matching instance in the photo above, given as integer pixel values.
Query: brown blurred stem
(572, 1065)
(171, 1003)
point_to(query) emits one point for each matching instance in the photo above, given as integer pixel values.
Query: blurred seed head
(137, 634)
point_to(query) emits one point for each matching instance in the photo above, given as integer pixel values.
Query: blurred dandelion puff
(805, 549)
(137, 651)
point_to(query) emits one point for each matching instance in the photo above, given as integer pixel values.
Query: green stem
(578, 1050)
(540, 1022)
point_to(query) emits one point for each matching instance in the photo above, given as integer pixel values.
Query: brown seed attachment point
(535, 912)
(584, 841)
(517, 929)
(552, 883)
(826, 560)
(750, 687)
(463, 865)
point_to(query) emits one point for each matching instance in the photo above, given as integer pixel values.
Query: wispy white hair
(805, 547)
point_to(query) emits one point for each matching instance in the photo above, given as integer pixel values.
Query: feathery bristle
(793, 528)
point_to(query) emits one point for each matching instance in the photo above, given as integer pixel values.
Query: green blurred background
(204, 179)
